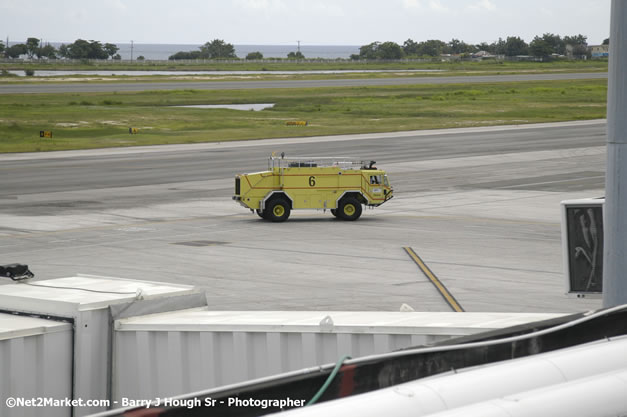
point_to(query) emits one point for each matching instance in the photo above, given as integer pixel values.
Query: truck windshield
(385, 181)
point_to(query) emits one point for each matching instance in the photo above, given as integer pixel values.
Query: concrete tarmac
(480, 206)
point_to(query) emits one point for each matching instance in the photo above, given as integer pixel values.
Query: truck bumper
(387, 198)
(238, 199)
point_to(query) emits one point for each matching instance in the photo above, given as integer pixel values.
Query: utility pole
(615, 210)
(131, 50)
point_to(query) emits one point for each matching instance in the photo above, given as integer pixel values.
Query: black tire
(334, 212)
(277, 210)
(260, 214)
(349, 209)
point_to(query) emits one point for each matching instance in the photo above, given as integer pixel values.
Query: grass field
(182, 77)
(95, 120)
(285, 65)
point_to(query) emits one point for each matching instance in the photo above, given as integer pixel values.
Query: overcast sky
(313, 22)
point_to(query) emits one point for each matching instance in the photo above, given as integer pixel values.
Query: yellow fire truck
(340, 185)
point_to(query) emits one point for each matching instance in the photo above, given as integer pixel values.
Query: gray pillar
(615, 216)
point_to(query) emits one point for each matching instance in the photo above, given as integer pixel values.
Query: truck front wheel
(277, 210)
(349, 209)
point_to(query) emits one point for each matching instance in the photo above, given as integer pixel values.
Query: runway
(480, 206)
(95, 87)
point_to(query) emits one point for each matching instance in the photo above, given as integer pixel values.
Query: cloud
(545, 12)
(425, 6)
(324, 9)
(483, 5)
(118, 5)
(261, 5)
(274, 7)
(412, 4)
(437, 6)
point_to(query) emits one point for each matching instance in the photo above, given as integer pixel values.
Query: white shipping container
(86, 301)
(163, 355)
(35, 362)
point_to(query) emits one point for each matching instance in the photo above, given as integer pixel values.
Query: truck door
(376, 186)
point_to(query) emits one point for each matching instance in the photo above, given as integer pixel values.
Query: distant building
(576, 51)
(600, 51)
(483, 54)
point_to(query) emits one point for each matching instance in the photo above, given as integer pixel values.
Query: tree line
(79, 49)
(82, 49)
(215, 49)
(541, 46)
(219, 49)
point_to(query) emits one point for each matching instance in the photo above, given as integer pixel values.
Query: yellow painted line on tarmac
(444, 292)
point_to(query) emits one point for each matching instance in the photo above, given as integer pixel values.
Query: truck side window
(374, 179)
(385, 181)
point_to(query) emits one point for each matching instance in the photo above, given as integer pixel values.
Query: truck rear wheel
(277, 210)
(349, 209)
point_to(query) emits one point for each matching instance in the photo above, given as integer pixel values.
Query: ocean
(155, 51)
(163, 51)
